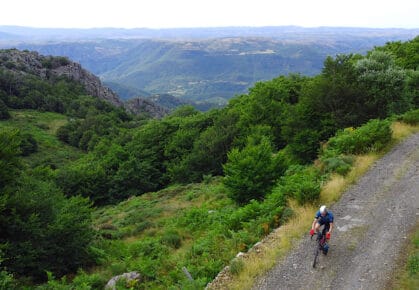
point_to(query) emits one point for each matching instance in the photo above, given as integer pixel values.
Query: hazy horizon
(161, 14)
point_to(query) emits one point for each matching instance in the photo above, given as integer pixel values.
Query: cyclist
(323, 217)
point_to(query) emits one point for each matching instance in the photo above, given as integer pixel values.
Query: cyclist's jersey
(324, 220)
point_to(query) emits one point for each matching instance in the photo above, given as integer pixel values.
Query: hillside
(45, 67)
(88, 191)
(42, 127)
(204, 64)
(18, 67)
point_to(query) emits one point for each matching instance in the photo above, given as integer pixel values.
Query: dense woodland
(258, 150)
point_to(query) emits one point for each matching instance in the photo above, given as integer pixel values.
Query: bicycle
(321, 245)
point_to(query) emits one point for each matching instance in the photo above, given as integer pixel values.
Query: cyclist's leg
(326, 229)
(317, 227)
(326, 245)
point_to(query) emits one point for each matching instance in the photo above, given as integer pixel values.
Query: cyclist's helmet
(323, 209)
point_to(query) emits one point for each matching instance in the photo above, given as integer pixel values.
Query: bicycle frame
(321, 241)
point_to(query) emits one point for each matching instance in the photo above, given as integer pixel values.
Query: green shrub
(172, 239)
(244, 214)
(89, 281)
(6, 280)
(340, 164)
(287, 214)
(251, 172)
(411, 117)
(28, 144)
(4, 111)
(413, 264)
(301, 183)
(236, 266)
(373, 136)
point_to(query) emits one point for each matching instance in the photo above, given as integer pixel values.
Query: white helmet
(323, 209)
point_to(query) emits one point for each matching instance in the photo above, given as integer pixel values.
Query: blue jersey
(324, 220)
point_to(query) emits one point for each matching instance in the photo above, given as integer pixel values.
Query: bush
(251, 172)
(44, 231)
(236, 266)
(4, 111)
(411, 117)
(28, 144)
(172, 239)
(84, 281)
(340, 164)
(372, 136)
(6, 279)
(301, 183)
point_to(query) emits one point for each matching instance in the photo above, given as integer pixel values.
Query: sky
(209, 13)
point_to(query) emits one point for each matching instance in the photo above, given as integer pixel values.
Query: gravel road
(372, 220)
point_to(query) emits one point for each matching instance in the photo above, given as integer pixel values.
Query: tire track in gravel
(372, 220)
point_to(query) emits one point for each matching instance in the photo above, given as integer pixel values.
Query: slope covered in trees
(263, 143)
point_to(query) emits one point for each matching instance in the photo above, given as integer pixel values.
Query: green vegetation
(407, 277)
(251, 173)
(190, 190)
(38, 142)
(411, 117)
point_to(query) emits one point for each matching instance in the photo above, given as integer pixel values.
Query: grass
(42, 126)
(403, 130)
(281, 241)
(159, 233)
(407, 275)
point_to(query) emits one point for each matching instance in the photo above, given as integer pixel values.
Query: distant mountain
(30, 34)
(170, 102)
(126, 92)
(208, 65)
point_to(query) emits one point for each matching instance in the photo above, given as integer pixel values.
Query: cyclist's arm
(314, 223)
(331, 228)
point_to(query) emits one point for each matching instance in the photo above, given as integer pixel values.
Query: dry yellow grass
(279, 243)
(402, 130)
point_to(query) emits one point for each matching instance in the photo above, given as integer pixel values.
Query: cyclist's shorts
(326, 225)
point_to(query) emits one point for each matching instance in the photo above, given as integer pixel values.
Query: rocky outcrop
(48, 67)
(139, 106)
(91, 83)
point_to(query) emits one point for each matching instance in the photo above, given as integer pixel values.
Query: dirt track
(372, 220)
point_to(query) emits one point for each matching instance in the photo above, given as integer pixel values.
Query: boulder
(128, 277)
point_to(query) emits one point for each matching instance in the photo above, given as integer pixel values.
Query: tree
(42, 230)
(383, 82)
(210, 149)
(4, 111)
(250, 173)
(406, 53)
(9, 162)
(336, 93)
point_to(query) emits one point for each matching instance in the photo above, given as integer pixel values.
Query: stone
(111, 285)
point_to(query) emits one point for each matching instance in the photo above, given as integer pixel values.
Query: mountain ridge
(200, 64)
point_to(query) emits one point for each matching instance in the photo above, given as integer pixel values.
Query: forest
(88, 190)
